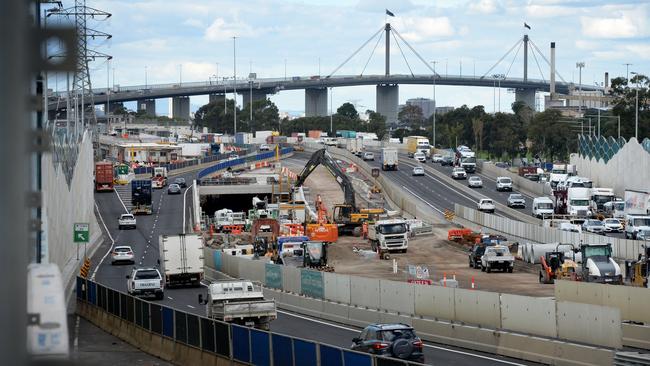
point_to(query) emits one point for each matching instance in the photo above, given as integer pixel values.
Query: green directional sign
(81, 232)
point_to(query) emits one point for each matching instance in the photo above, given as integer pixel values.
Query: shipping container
(314, 134)
(103, 176)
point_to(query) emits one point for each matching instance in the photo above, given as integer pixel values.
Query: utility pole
(580, 65)
(636, 110)
(331, 116)
(145, 76)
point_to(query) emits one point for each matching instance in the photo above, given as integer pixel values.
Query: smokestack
(606, 86)
(552, 70)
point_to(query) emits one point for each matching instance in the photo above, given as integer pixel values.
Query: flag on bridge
(526, 25)
(389, 13)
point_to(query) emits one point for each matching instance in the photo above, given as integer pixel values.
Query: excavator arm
(323, 157)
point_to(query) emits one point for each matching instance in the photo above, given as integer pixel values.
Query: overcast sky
(197, 34)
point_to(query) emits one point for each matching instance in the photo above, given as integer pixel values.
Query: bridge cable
(403, 56)
(545, 59)
(415, 52)
(355, 52)
(381, 35)
(538, 67)
(513, 59)
(502, 57)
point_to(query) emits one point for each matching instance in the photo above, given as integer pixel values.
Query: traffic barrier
(188, 339)
(449, 215)
(85, 268)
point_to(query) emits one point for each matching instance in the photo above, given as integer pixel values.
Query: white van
(542, 207)
(634, 224)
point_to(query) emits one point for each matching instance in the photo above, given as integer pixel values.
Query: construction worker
(364, 229)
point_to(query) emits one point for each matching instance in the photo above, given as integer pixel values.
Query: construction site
(314, 211)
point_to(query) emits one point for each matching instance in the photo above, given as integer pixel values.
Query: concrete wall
(628, 169)
(65, 205)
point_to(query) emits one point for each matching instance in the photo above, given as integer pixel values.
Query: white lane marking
(122, 202)
(426, 345)
(422, 199)
(169, 297)
(184, 202)
(92, 277)
(191, 307)
(76, 335)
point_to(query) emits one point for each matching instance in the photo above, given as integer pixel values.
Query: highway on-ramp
(167, 218)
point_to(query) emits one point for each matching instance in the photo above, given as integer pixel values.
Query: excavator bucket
(323, 232)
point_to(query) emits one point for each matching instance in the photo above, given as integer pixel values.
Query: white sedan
(436, 158)
(475, 182)
(486, 205)
(613, 225)
(122, 253)
(418, 170)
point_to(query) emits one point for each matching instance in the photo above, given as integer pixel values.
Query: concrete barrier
(337, 287)
(435, 302)
(592, 324)
(477, 307)
(364, 292)
(635, 335)
(528, 315)
(396, 296)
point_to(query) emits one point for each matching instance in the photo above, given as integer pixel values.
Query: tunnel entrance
(234, 202)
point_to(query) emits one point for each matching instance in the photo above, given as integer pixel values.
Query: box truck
(181, 259)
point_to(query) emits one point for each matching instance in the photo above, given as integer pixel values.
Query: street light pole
(145, 76)
(433, 129)
(234, 82)
(636, 110)
(331, 116)
(580, 65)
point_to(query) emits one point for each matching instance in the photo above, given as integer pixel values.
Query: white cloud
(547, 11)
(483, 6)
(642, 50)
(624, 24)
(219, 30)
(192, 22)
(422, 29)
(587, 45)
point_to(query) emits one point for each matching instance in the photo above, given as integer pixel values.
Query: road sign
(375, 172)
(81, 232)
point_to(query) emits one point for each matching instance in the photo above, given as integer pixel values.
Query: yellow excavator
(638, 272)
(347, 216)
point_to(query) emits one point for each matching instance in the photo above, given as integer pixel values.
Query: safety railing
(240, 344)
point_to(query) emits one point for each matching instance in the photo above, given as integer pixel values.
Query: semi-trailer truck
(416, 144)
(103, 176)
(141, 197)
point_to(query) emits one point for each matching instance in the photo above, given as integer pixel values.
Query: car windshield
(594, 223)
(579, 203)
(486, 202)
(516, 196)
(147, 274)
(127, 216)
(548, 205)
(180, 180)
(599, 250)
(600, 199)
(612, 221)
(505, 180)
(122, 249)
(390, 335)
(391, 228)
(501, 251)
(619, 206)
(642, 222)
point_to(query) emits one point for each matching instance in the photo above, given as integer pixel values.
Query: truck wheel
(488, 269)
(120, 227)
(482, 268)
(510, 270)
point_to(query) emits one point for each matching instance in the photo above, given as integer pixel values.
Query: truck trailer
(389, 159)
(181, 259)
(103, 176)
(141, 197)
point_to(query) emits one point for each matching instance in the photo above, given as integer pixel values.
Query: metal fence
(243, 160)
(621, 248)
(229, 341)
(189, 163)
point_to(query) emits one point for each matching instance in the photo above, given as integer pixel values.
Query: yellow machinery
(638, 272)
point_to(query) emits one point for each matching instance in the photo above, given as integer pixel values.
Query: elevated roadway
(168, 219)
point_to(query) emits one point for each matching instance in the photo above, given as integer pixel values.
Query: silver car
(122, 253)
(418, 170)
(516, 200)
(593, 226)
(174, 189)
(475, 182)
(613, 225)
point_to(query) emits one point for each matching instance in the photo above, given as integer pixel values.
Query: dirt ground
(434, 250)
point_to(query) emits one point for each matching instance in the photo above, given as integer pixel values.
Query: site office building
(148, 152)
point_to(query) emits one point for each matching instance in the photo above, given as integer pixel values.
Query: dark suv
(390, 340)
(447, 160)
(475, 254)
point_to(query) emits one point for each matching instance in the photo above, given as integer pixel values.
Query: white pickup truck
(126, 221)
(145, 281)
(240, 302)
(497, 257)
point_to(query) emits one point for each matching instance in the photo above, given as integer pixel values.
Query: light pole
(180, 74)
(627, 72)
(234, 82)
(636, 110)
(580, 65)
(225, 98)
(145, 76)
(433, 128)
(331, 116)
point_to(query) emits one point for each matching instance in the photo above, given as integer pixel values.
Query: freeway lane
(168, 219)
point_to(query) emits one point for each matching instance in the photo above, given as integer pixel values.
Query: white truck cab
(388, 236)
(542, 207)
(145, 281)
(634, 224)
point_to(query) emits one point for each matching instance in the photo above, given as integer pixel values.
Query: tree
(411, 115)
(265, 116)
(550, 135)
(625, 98)
(376, 123)
(348, 110)
(213, 116)
(477, 127)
